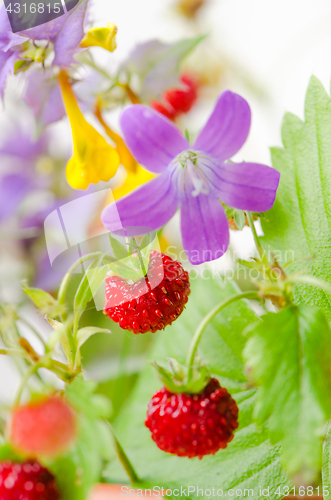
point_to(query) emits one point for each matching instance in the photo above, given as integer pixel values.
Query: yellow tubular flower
(126, 157)
(104, 37)
(93, 159)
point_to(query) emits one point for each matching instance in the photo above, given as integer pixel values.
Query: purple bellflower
(65, 33)
(195, 178)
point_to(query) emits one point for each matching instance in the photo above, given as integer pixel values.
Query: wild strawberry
(178, 100)
(154, 301)
(192, 425)
(26, 481)
(182, 99)
(46, 427)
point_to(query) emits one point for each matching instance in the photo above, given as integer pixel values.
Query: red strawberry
(45, 427)
(182, 99)
(178, 100)
(26, 481)
(192, 425)
(151, 303)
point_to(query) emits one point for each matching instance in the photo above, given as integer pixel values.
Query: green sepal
(44, 301)
(240, 219)
(176, 379)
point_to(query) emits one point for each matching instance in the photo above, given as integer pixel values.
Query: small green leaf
(85, 333)
(61, 330)
(288, 355)
(43, 301)
(120, 252)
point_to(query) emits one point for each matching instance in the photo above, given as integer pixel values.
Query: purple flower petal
(150, 206)
(68, 40)
(9, 40)
(153, 140)
(227, 128)
(247, 186)
(43, 95)
(29, 148)
(204, 227)
(7, 61)
(13, 188)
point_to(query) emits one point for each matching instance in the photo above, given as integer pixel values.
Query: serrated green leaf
(43, 301)
(288, 356)
(299, 224)
(85, 333)
(249, 461)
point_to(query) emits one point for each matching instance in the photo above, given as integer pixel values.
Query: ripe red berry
(151, 303)
(182, 99)
(46, 427)
(192, 425)
(178, 100)
(26, 481)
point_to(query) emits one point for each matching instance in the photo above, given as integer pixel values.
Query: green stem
(139, 257)
(14, 353)
(123, 458)
(256, 238)
(65, 282)
(31, 371)
(204, 323)
(32, 328)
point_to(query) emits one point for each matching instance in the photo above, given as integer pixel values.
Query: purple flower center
(191, 170)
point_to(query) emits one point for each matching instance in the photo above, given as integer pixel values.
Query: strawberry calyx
(180, 380)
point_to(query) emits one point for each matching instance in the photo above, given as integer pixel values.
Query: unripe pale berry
(46, 427)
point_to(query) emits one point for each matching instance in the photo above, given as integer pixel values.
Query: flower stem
(123, 458)
(256, 238)
(204, 323)
(28, 374)
(65, 282)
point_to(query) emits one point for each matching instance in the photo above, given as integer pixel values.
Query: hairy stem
(204, 323)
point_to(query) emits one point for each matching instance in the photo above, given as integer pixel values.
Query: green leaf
(249, 461)
(119, 251)
(43, 301)
(85, 333)
(299, 224)
(288, 356)
(80, 394)
(157, 65)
